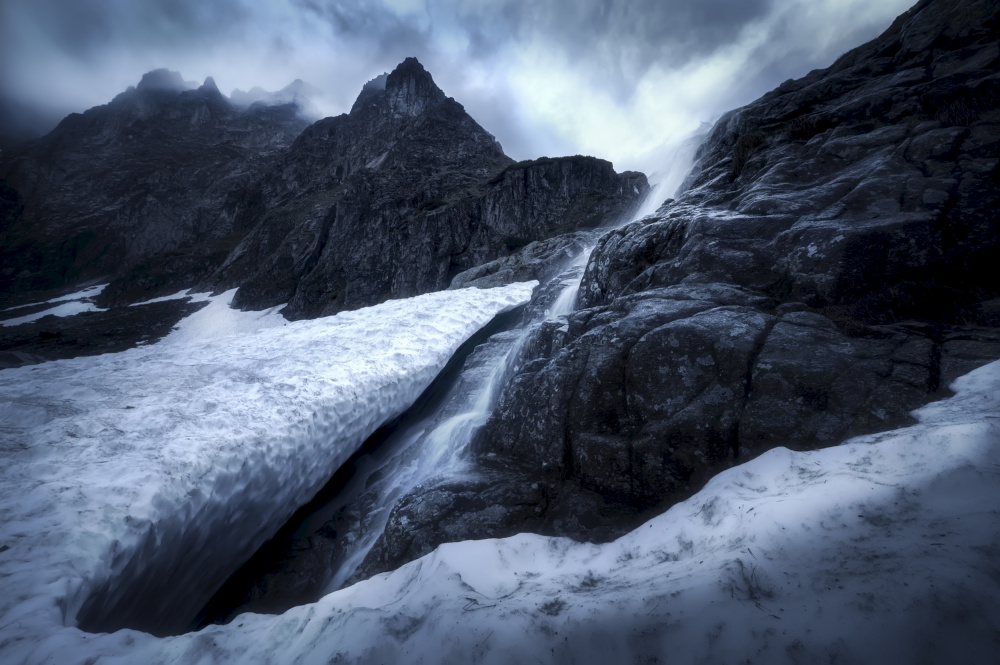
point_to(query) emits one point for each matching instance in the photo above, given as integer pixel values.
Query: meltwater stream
(325, 542)
(322, 546)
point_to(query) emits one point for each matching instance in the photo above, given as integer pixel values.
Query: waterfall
(427, 444)
(435, 447)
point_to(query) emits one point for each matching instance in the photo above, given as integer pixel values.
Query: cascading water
(570, 280)
(434, 447)
(327, 541)
(418, 449)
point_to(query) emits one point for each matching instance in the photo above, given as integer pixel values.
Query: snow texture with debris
(883, 549)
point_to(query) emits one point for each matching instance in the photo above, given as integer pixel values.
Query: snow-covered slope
(134, 483)
(74, 303)
(884, 549)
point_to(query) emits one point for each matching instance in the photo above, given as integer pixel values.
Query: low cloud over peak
(164, 80)
(621, 80)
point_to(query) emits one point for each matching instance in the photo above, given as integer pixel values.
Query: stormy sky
(620, 79)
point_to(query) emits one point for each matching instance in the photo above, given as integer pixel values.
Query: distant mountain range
(171, 186)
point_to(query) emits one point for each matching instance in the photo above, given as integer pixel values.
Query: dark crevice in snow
(215, 499)
(245, 590)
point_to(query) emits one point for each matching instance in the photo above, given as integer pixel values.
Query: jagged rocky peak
(164, 80)
(164, 88)
(371, 91)
(410, 88)
(404, 193)
(209, 97)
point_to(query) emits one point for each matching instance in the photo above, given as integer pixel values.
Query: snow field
(150, 474)
(881, 550)
(74, 303)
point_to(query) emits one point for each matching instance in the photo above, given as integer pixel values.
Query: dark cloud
(638, 33)
(89, 32)
(84, 28)
(364, 18)
(618, 41)
(63, 55)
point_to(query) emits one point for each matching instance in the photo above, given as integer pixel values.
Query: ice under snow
(883, 549)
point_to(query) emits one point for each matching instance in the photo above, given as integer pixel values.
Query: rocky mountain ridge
(156, 172)
(168, 187)
(399, 196)
(826, 269)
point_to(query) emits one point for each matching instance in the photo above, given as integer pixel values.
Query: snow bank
(884, 549)
(132, 484)
(74, 303)
(180, 295)
(89, 292)
(217, 319)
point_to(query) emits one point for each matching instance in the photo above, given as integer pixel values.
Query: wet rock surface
(539, 260)
(829, 267)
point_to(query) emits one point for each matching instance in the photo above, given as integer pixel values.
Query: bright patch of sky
(623, 81)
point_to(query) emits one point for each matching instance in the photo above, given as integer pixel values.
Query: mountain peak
(410, 88)
(163, 80)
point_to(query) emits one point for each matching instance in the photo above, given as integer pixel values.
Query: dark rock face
(829, 267)
(861, 186)
(146, 181)
(398, 197)
(171, 186)
(11, 206)
(539, 260)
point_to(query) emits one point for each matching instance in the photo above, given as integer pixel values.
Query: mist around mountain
(172, 185)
